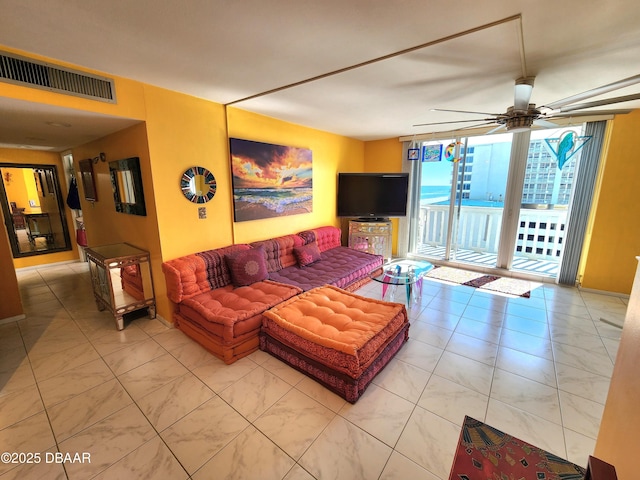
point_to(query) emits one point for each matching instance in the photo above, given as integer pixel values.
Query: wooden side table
(106, 266)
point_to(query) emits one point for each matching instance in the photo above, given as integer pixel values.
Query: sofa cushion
(198, 273)
(279, 251)
(247, 266)
(307, 254)
(340, 266)
(326, 237)
(223, 311)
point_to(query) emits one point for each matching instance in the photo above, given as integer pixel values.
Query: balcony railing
(540, 233)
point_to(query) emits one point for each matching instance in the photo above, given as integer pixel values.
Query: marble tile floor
(149, 403)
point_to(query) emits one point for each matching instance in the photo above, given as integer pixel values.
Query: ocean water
(441, 194)
(434, 193)
(277, 199)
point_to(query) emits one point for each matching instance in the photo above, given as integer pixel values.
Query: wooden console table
(105, 265)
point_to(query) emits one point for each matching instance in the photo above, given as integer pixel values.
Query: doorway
(33, 209)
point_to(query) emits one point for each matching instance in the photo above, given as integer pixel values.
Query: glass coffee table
(403, 272)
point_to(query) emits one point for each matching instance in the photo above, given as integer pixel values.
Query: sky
(263, 165)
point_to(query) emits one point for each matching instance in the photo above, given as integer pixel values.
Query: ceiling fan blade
(494, 130)
(599, 103)
(588, 113)
(594, 92)
(463, 111)
(491, 120)
(468, 127)
(545, 123)
(522, 93)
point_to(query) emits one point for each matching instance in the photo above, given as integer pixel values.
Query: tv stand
(371, 235)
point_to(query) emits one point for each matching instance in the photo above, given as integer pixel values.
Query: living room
(171, 132)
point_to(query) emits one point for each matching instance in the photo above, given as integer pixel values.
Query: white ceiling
(228, 51)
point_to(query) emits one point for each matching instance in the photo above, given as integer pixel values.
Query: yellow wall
(129, 93)
(385, 156)
(17, 189)
(184, 132)
(331, 154)
(21, 156)
(615, 234)
(104, 225)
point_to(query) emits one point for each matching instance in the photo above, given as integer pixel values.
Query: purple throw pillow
(247, 266)
(307, 254)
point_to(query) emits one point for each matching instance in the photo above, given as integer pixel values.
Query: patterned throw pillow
(247, 266)
(307, 254)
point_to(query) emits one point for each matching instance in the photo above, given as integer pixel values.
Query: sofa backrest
(198, 273)
(279, 251)
(327, 237)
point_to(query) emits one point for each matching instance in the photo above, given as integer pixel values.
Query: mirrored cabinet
(121, 280)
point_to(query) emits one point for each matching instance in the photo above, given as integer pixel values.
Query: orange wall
(22, 156)
(615, 234)
(331, 154)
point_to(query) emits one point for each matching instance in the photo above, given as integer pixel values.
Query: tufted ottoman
(338, 338)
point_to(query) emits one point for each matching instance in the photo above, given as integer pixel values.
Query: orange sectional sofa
(220, 294)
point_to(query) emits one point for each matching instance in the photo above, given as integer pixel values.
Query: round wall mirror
(198, 185)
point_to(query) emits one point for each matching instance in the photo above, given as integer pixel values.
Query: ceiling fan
(523, 115)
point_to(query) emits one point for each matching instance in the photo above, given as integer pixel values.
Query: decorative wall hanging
(198, 185)
(567, 145)
(432, 153)
(270, 180)
(414, 154)
(450, 151)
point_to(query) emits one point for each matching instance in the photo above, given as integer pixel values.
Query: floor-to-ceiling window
(465, 188)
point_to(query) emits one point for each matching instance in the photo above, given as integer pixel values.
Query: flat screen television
(372, 195)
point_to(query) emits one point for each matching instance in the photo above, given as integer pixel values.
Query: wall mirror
(198, 185)
(126, 183)
(33, 209)
(88, 182)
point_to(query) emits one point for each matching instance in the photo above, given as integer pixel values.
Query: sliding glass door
(462, 195)
(468, 183)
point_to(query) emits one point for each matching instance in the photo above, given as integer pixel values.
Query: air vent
(25, 71)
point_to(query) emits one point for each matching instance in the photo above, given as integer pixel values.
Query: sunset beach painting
(270, 180)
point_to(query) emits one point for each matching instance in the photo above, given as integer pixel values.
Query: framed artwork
(87, 180)
(432, 153)
(414, 154)
(270, 180)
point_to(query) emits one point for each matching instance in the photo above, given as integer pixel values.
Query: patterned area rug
(490, 283)
(485, 452)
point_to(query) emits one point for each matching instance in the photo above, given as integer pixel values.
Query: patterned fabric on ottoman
(338, 338)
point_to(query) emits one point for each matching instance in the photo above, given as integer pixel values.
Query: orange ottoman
(338, 338)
